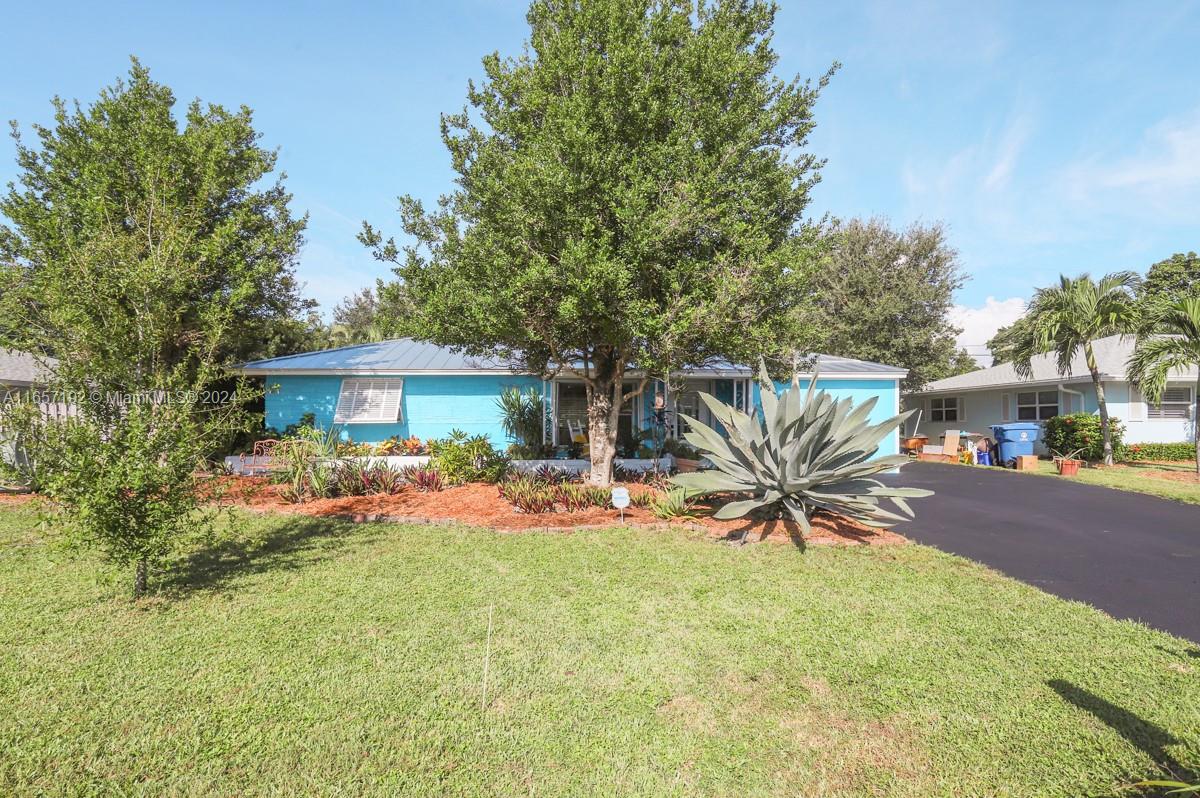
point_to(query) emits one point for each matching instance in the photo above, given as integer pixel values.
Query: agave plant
(806, 453)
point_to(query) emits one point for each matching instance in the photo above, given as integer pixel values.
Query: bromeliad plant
(806, 453)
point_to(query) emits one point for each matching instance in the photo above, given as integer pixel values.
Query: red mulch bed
(480, 505)
(15, 498)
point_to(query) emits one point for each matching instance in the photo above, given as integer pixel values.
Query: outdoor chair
(578, 434)
(261, 458)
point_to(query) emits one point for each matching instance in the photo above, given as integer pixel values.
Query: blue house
(404, 388)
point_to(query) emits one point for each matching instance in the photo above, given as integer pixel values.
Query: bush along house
(977, 400)
(404, 388)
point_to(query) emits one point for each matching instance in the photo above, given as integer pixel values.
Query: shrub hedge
(1160, 451)
(1065, 434)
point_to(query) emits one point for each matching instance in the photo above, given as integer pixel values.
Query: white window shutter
(1137, 408)
(1005, 407)
(369, 401)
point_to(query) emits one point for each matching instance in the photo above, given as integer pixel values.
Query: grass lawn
(301, 656)
(1135, 477)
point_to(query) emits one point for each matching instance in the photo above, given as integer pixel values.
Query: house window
(369, 401)
(945, 409)
(571, 410)
(1176, 403)
(688, 404)
(1037, 405)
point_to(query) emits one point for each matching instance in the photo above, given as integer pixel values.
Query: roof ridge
(325, 351)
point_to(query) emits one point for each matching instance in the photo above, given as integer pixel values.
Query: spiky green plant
(806, 453)
(674, 504)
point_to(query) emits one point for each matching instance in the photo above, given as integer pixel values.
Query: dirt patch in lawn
(1186, 477)
(15, 498)
(481, 505)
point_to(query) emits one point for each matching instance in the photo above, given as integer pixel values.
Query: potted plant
(687, 459)
(1067, 465)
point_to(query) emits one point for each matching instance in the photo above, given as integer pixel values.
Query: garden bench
(262, 457)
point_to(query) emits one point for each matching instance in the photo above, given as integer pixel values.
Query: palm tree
(1071, 315)
(1171, 342)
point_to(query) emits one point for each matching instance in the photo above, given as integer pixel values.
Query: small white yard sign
(620, 500)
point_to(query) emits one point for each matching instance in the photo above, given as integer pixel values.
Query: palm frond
(1172, 344)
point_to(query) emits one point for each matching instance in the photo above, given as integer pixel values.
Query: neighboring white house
(18, 370)
(976, 400)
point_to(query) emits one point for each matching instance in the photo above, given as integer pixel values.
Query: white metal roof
(407, 356)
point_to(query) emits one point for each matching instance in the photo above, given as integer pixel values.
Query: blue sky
(1048, 137)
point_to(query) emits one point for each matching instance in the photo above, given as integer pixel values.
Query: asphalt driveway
(1131, 555)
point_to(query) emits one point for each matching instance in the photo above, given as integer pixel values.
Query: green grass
(306, 657)
(1133, 477)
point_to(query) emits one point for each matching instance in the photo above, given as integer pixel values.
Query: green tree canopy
(1168, 280)
(99, 169)
(1003, 345)
(631, 194)
(885, 295)
(144, 257)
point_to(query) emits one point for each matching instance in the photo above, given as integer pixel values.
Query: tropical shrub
(386, 480)
(804, 454)
(1081, 431)
(353, 477)
(425, 478)
(541, 492)
(643, 499)
(306, 459)
(516, 451)
(392, 447)
(523, 415)
(655, 479)
(461, 458)
(529, 495)
(414, 446)
(554, 476)
(673, 504)
(573, 498)
(598, 496)
(1183, 450)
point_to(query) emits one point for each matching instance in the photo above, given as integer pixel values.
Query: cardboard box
(1027, 462)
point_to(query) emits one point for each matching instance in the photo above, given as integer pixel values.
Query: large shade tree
(885, 295)
(1169, 344)
(1067, 318)
(144, 255)
(99, 168)
(630, 199)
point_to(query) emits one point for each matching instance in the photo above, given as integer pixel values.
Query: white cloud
(1161, 177)
(980, 323)
(1012, 142)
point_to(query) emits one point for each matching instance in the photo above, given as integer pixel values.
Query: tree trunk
(1105, 426)
(604, 414)
(139, 579)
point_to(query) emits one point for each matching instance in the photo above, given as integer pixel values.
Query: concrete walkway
(1131, 555)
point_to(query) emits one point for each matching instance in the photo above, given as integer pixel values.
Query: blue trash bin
(1014, 440)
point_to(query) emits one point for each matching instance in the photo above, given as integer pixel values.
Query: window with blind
(1176, 403)
(1037, 405)
(375, 401)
